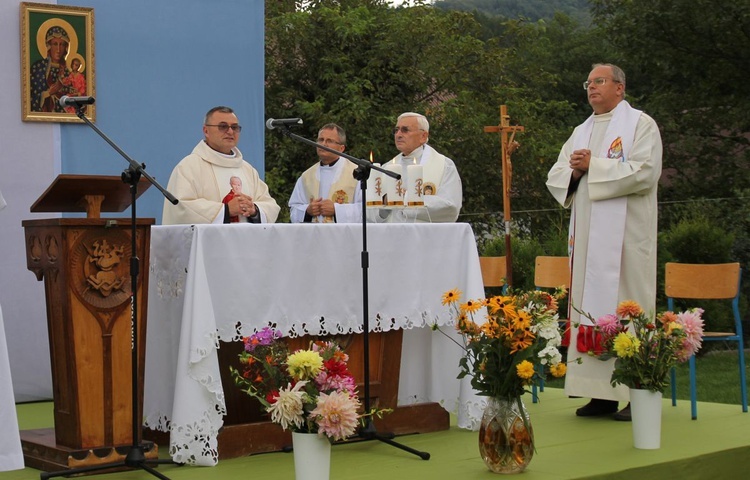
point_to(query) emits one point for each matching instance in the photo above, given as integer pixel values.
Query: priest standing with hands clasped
(607, 173)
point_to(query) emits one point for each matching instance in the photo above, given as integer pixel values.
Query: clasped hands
(579, 162)
(243, 205)
(321, 206)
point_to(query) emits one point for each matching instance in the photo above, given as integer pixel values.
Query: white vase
(312, 456)
(645, 410)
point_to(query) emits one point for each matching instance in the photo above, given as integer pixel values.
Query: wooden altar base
(247, 429)
(40, 451)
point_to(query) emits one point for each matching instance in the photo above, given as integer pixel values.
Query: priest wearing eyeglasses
(327, 192)
(607, 173)
(440, 187)
(203, 180)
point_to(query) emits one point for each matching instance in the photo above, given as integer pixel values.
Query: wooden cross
(507, 147)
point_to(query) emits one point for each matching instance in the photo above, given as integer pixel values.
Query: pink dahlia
(336, 414)
(692, 324)
(608, 324)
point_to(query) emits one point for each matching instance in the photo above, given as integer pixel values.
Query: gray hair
(339, 131)
(618, 75)
(422, 122)
(221, 109)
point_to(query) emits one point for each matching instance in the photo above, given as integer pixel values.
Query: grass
(717, 378)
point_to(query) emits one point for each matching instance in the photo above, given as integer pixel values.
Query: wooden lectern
(85, 265)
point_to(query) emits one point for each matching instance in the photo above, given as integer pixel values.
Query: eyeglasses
(404, 130)
(599, 81)
(328, 141)
(223, 127)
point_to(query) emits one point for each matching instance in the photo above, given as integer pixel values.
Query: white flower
(287, 410)
(550, 354)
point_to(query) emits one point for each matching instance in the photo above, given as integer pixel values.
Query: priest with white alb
(327, 192)
(607, 173)
(441, 190)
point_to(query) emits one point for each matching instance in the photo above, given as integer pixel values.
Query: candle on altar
(414, 178)
(375, 189)
(394, 189)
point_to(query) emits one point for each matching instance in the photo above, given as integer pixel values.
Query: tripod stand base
(368, 432)
(41, 451)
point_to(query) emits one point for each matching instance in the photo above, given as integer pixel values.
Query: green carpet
(717, 445)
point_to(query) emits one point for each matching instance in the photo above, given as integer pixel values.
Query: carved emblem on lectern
(105, 258)
(101, 257)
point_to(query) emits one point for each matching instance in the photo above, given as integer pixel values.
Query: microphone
(272, 123)
(66, 101)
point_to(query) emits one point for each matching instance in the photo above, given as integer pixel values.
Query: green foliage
(531, 9)
(524, 252)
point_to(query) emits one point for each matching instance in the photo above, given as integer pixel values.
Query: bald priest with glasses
(442, 191)
(214, 184)
(327, 192)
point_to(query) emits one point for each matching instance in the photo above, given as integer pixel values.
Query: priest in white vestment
(206, 177)
(607, 173)
(327, 192)
(441, 187)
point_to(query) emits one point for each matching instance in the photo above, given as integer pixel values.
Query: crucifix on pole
(507, 147)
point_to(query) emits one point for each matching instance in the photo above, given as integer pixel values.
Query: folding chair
(494, 272)
(550, 273)
(707, 282)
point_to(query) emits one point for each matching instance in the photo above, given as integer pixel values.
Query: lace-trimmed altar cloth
(221, 282)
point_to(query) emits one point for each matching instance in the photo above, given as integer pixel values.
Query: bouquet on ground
(309, 391)
(646, 348)
(515, 343)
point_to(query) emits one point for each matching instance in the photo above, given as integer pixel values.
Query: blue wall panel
(160, 65)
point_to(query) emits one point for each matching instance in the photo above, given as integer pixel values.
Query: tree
(360, 64)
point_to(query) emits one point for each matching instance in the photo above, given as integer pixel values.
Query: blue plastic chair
(549, 273)
(707, 282)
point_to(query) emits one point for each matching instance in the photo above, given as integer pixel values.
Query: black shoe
(597, 407)
(623, 415)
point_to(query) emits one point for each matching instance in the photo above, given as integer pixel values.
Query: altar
(215, 283)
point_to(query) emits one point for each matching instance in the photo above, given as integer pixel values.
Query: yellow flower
(628, 308)
(304, 364)
(471, 306)
(521, 320)
(558, 370)
(626, 345)
(525, 369)
(669, 328)
(451, 296)
(521, 340)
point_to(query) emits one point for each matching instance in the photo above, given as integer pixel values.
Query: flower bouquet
(515, 343)
(504, 353)
(306, 391)
(645, 348)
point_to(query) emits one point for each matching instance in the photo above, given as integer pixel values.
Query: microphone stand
(362, 173)
(136, 457)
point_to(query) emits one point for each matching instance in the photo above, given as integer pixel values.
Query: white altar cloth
(221, 282)
(11, 456)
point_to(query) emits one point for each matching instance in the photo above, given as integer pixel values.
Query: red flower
(336, 368)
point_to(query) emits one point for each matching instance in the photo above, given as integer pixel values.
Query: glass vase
(506, 439)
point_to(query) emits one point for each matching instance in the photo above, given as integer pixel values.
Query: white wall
(29, 161)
